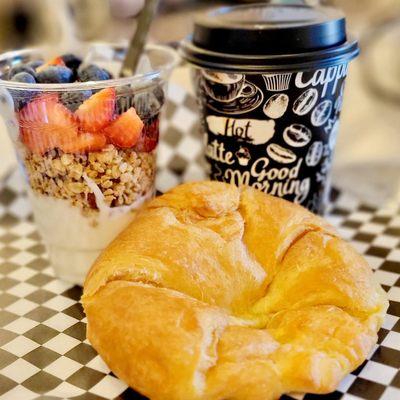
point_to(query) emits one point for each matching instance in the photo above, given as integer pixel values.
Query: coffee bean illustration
(280, 154)
(314, 154)
(276, 105)
(321, 113)
(305, 102)
(297, 135)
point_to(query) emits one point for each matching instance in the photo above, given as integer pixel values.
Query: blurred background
(367, 161)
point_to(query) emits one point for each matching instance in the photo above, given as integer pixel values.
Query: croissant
(217, 292)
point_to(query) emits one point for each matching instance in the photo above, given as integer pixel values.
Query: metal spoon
(138, 41)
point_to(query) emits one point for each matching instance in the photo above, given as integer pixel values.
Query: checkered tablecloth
(44, 353)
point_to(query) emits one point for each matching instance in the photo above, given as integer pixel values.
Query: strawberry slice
(46, 124)
(85, 142)
(54, 61)
(97, 111)
(125, 130)
(149, 138)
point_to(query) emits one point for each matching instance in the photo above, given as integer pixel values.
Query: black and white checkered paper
(44, 353)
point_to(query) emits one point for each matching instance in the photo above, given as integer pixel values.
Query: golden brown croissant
(215, 292)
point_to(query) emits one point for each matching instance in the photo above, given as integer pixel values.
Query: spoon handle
(138, 41)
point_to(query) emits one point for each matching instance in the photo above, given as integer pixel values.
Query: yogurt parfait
(86, 143)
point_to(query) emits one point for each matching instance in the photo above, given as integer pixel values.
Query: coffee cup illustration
(224, 87)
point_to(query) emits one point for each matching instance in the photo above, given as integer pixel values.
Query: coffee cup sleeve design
(248, 90)
(276, 105)
(305, 102)
(297, 135)
(221, 77)
(224, 87)
(329, 125)
(277, 82)
(321, 113)
(280, 154)
(289, 124)
(243, 156)
(253, 131)
(314, 154)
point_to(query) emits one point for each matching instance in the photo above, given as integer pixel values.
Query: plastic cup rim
(92, 85)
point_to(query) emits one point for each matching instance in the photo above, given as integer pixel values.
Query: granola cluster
(122, 175)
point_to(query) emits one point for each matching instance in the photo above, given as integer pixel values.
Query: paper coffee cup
(270, 120)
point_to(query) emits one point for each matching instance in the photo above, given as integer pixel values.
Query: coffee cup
(270, 79)
(224, 87)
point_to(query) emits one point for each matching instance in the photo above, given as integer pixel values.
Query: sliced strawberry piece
(125, 130)
(54, 61)
(46, 124)
(149, 138)
(86, 142)
(97, 111)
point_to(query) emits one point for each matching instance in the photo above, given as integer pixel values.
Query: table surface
(44, 353)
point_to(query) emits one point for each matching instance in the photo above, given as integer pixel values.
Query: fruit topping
(125, 98)
(125, 130)
(93, 73)
(147, 104)
(22, 97)
(97, 111)
(56, 61)
(35, 64)
(46, 124)
(72, 61)
(20, 68)
(63, 69)
(150, 134)
(85, 142)
(72, 100)
(55, 74)
(23, 77)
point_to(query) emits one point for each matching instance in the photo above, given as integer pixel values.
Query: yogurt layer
(74, 240)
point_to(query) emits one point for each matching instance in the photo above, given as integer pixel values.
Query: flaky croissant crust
(215, 292)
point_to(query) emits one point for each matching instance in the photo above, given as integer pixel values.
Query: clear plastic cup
(88, 167)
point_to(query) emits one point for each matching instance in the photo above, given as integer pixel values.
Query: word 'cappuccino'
(323, 77)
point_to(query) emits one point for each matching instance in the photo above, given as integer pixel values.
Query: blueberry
(110, 75)
(24, 77)
(147, 104)
(20, 68)
(93, 73)
(125, 98)
(72, 61)
(35, 64)
(22, 97)
(72, 100)
(55, 74)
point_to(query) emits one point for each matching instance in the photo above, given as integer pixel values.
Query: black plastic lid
(269, 37)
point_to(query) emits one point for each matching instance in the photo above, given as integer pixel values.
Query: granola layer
(122, 175)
